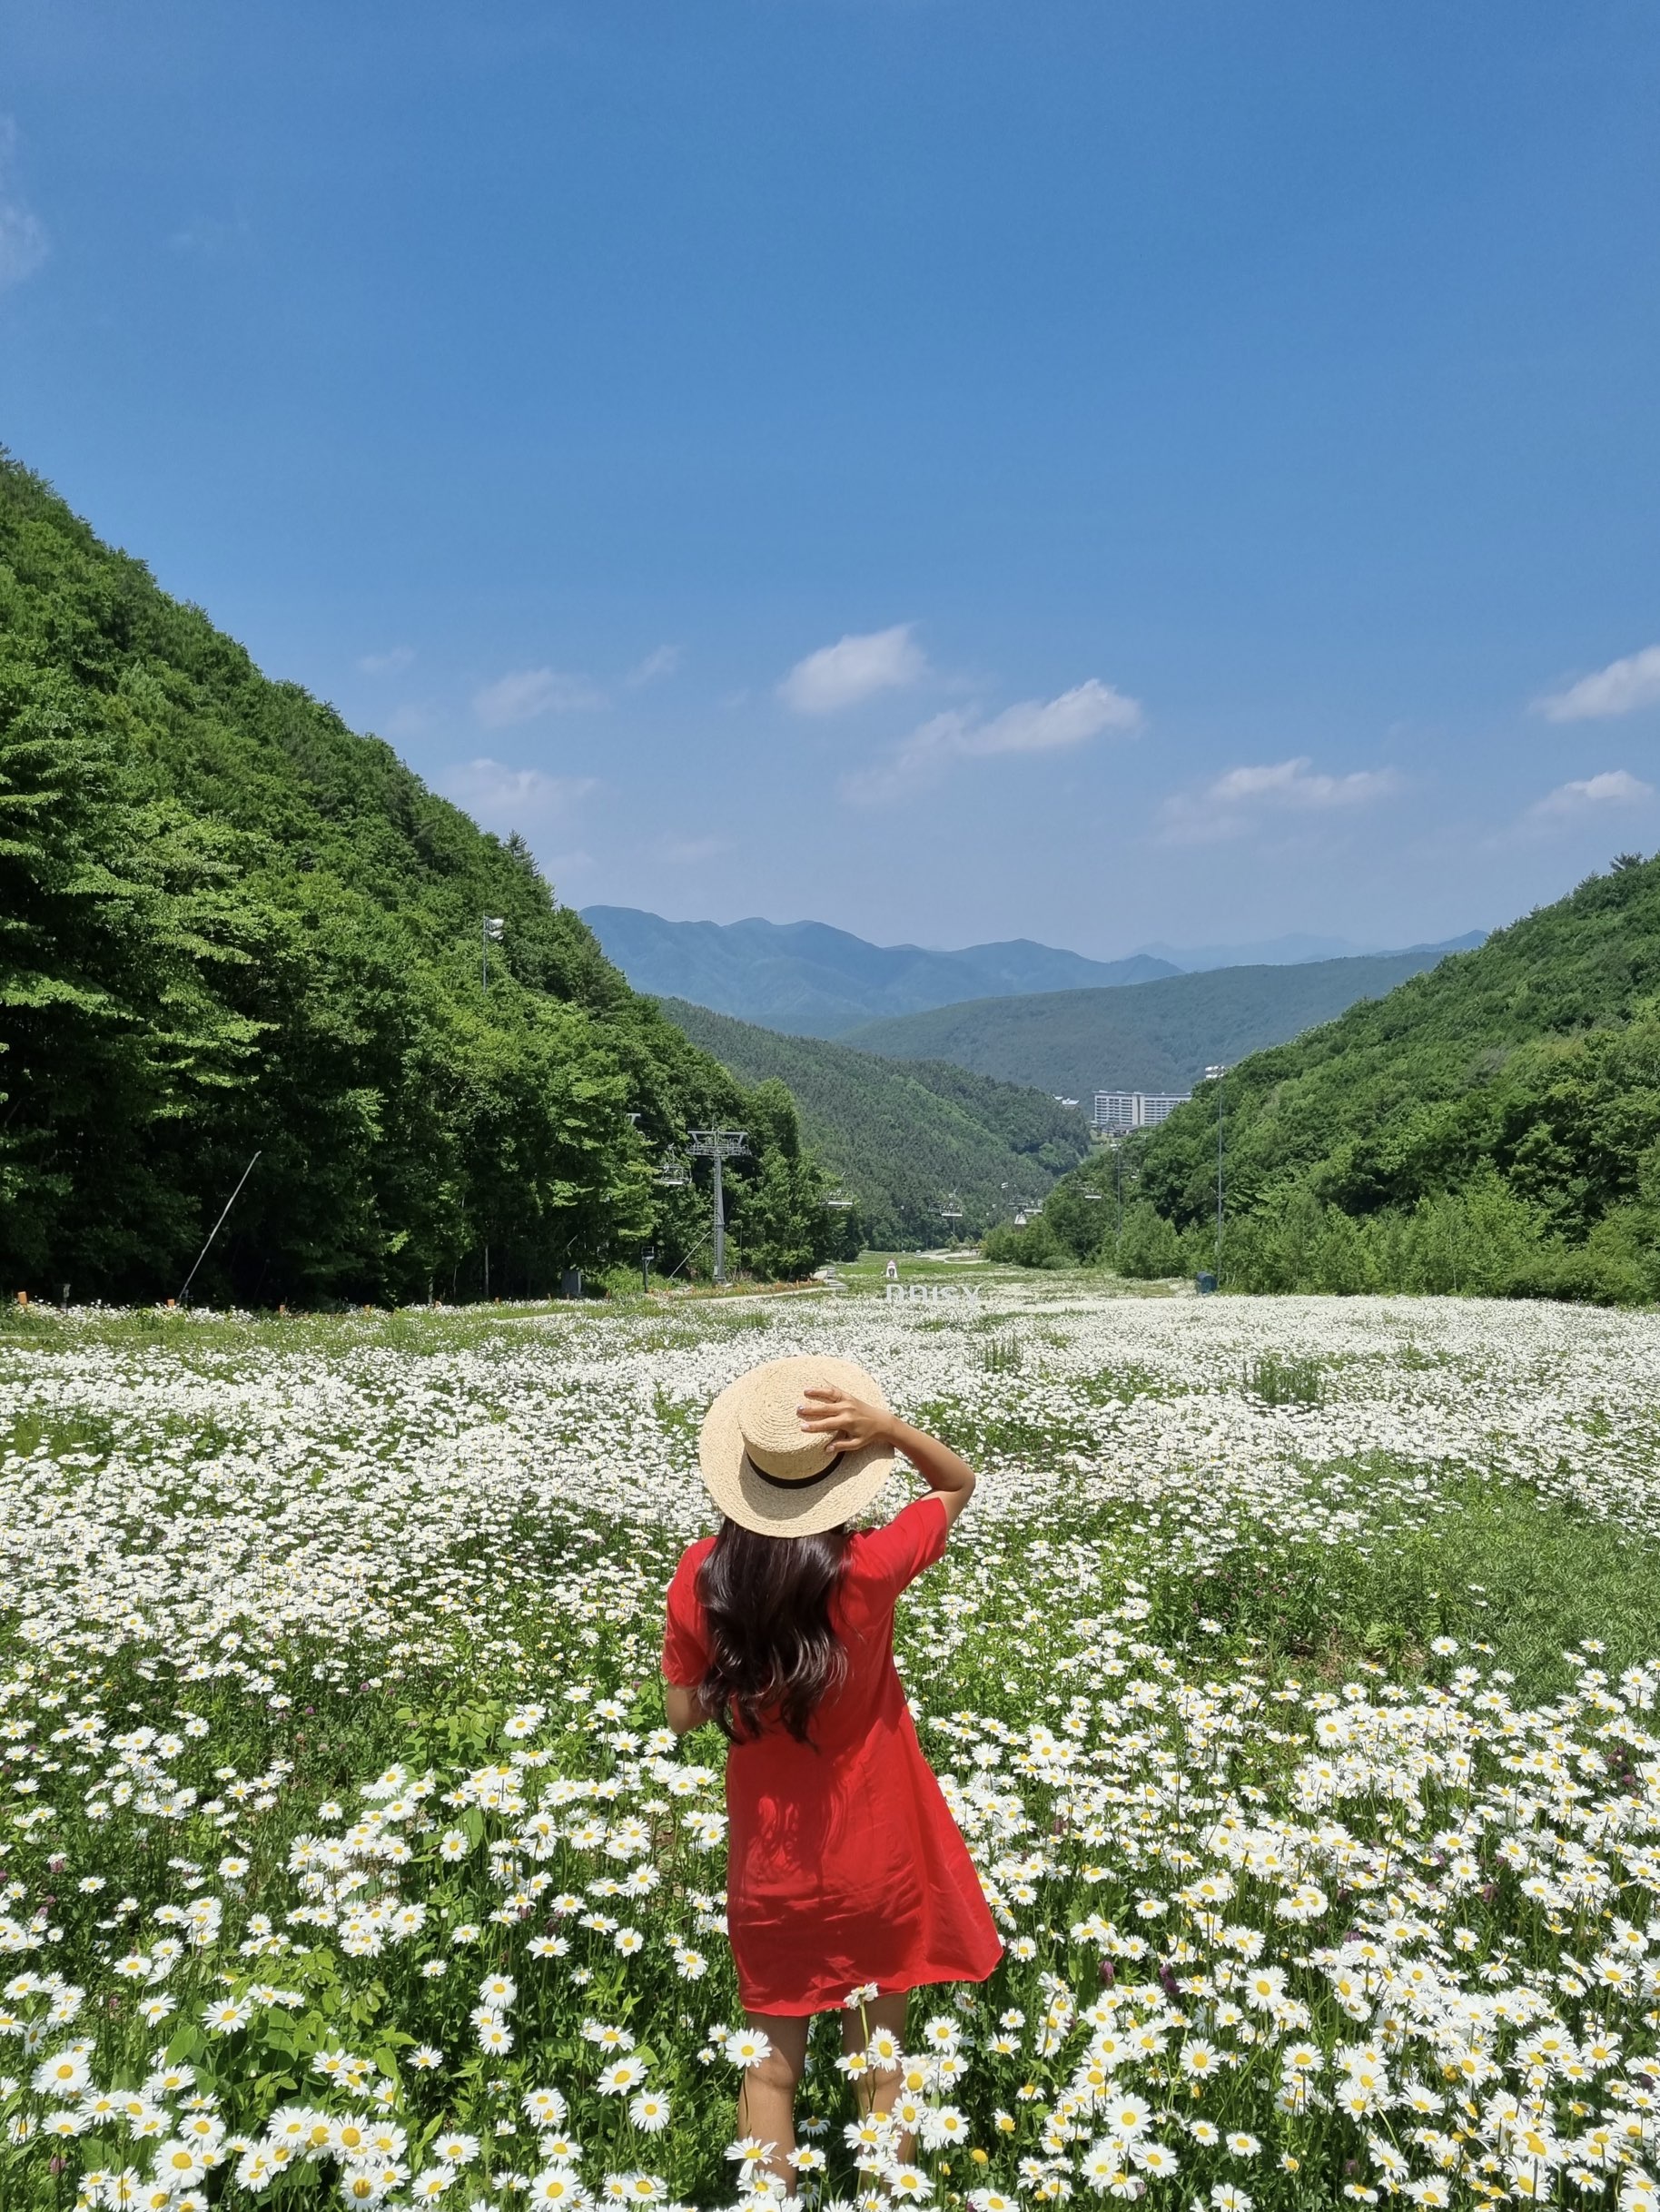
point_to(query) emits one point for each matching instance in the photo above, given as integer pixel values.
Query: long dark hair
(766, 1600)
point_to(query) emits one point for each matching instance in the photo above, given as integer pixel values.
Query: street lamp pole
(1215, 1075)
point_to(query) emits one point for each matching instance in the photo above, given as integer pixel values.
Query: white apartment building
(1116, 1112)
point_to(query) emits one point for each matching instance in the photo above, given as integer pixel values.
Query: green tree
(229, 925)
(1486, 1128)
(784, 1228)
(118, 914)
(1152, 1246)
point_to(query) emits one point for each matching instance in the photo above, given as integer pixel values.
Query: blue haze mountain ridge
(811, 979)
(814, 981)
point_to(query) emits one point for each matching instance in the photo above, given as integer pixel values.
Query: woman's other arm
(851, 1423)
(684, 1708)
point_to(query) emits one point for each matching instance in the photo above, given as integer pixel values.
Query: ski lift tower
(952, 1210)
(717, 1145)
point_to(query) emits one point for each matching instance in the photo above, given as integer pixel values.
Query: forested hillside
(812, 980)
(1158, 1035)
(228, 923)
(902, 1137)
(1493, 1126)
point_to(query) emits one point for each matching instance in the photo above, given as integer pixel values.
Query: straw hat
(766, 1472)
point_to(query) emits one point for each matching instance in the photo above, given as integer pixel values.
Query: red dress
(844, 1865)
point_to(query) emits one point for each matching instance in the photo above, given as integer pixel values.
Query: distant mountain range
(1291, 952)
(814, 981)
(1154, 1036)
(810, 980)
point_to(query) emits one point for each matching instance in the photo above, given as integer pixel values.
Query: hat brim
(772, 1508)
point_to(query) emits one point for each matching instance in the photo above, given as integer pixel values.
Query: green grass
(1285, 1382)
(1498, 1568)
(1498, 1571)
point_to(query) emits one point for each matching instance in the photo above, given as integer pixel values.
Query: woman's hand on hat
(848, 1422)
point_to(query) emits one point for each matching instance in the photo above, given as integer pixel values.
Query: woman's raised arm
(851, 1423)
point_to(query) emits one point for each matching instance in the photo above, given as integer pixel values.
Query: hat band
(804, 1482)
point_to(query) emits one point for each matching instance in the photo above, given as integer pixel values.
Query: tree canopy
(1492, 1125)
(228, 925)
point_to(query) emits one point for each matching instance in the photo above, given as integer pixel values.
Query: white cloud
(525, 693)
(1236, 802)
(1047, 725)
(855, 669)
(504, 798)
(388, 663)
(1614, 787)
(1035, 726)
(654, 667)
(23, 235)
(1620, 688)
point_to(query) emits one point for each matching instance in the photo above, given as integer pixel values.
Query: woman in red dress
(845, 1869)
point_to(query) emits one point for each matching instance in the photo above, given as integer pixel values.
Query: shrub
(1150, 1247)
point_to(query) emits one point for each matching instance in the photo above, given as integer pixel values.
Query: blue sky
(954, 469)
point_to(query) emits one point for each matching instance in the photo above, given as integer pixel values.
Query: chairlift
(672, 1175)
(839, 1200)
(952, 1210)
(1089, 1194)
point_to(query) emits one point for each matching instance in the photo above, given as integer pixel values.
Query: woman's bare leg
(877, 2089)
(766, 2095)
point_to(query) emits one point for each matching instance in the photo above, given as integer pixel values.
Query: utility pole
(717, 1145)
(1215, 1075)
(494, 929)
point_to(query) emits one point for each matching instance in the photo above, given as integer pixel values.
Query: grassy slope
(902, 1138)
(193, 712)
(343, 920)
(1476, 1061)
(1154, 1036)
